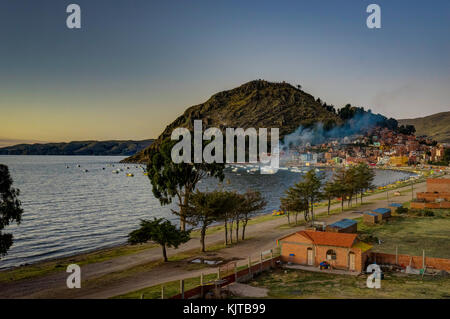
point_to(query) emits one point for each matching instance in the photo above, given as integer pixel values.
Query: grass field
(170, 288)
(292, 284)
(47, 267)
(412, 234)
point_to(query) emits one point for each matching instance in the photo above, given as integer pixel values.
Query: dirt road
(128, 273)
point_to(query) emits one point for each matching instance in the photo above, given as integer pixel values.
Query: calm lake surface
(69, 211)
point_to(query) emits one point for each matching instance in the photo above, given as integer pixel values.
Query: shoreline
(125, 249)
(117, 276)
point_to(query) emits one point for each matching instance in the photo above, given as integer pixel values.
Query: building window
(331, 255)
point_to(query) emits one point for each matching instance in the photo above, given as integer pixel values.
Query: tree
(406, 129)
(312, 187)
(297, 199)
(252, 202)
(160, 231)
(351, 184)
(205, 208)
(294, 201)
(171, 180)
(10, 208)
(364, 178)
(331, 190)
(340, 180)
(347, 112)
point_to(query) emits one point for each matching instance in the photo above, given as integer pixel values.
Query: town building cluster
(378, 147)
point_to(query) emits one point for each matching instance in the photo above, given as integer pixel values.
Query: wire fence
(227, 274)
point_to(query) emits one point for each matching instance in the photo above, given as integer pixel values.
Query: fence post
(271, 258)
(201, 285)
(260, 262)
(218, 273)
(396, 255)
(423, 259)
(162, 291)
(182, 288)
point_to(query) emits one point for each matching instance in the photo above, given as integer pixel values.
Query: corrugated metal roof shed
(395, 205)
(371, 214)
(343, 223)
(382, 210)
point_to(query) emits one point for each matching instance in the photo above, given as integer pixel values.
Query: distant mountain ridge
(124, 148)
(435, 126)
(255, 104)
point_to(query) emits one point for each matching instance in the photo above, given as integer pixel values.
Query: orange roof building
(340, 250)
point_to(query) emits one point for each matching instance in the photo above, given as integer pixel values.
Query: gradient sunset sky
(136, 65)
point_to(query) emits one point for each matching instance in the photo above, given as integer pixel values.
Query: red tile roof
(329, 238)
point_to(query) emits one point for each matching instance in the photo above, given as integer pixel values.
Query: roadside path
(104, 280)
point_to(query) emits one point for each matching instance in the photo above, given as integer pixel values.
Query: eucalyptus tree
(160, 231)
(351, 183)
(296, 200)
(341, 188)
(10, 208)
(364, 177)
(206, 208)
(312, 188)
(330, 191)
(252, 202)
(177, 180)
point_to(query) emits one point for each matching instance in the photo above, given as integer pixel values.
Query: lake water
(69, 211)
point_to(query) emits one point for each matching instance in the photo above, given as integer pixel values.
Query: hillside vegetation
(126, 148)
(436, 126)
(258, 104)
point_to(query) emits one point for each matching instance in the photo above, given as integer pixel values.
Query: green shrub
(401, 210)
(428, 213)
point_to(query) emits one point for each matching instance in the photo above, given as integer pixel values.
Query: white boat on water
(268, 170)
(295, 169)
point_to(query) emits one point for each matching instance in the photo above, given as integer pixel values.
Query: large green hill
(258, 104)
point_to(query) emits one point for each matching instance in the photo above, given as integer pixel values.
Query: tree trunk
(182, 213)
(237, 230)
(342, 203)
(164, 253)
(244, 224)
(329, 204)
(226, 232)
(202, 238)
(231, 232)
(182, 222)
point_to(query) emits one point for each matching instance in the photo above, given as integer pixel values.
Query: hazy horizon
(134, 67)
(4, 142)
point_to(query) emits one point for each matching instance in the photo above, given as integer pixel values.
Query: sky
(135, 65)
